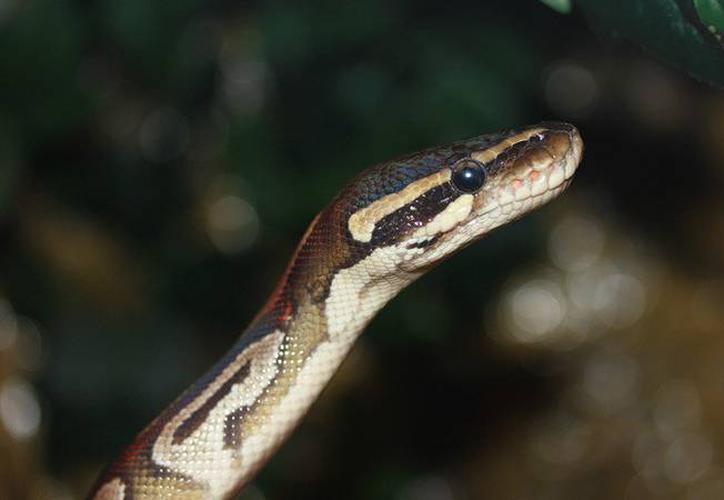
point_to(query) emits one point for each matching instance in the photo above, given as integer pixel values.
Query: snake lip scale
(391, 224)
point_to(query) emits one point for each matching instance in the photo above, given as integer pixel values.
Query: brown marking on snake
(362, 223)
(423, 209)
(136, 473)
(232, 428)
(280, 304)
(198, 417)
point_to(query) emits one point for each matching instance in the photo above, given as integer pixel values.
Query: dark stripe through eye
(413, 215)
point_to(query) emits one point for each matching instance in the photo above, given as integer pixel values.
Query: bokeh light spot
(233, 224)
(610, 381)
(571, 90)
(537, 308)
(575, 243)
(19, 408)
(244, 72)
(676, 407)
(620, 300)
(687, 458)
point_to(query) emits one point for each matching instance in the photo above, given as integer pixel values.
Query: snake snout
(542, 166)
(563, 145)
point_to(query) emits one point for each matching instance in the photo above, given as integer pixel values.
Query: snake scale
(390, 225)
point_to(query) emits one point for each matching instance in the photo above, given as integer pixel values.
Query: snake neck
(240, 412)
(332, 287)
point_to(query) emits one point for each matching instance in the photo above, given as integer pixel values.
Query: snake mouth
(525, 175)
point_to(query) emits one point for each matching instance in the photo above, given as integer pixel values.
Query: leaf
(668, 28)
(711, 13)
(562, 6)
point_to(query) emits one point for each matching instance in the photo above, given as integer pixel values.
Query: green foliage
(39, 54)
(669, 28)
(562, 6)
(711, 13)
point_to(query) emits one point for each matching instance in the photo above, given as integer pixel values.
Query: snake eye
(468, 175)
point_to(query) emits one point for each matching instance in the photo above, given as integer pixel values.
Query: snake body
(390, 225)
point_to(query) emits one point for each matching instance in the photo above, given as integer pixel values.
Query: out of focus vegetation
(687, 33)
(159, 161)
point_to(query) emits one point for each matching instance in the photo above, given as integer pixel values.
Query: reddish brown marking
(136, 451)
(287, 309)
(277, 296)
(534, 175)
(517, 184)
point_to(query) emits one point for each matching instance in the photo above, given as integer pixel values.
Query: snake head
(423, 207)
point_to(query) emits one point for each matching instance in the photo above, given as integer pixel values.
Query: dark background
(159, 161)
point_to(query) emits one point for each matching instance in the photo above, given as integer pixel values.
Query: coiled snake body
(392, 223)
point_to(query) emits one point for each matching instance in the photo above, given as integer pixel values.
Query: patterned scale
(392, 223)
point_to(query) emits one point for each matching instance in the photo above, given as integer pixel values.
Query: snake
(390, 225)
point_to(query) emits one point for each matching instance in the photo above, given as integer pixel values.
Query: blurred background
(160, 160)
